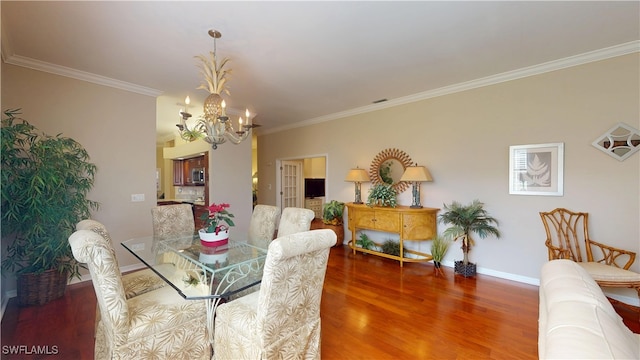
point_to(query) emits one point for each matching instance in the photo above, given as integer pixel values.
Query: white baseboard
(501, 274)
(625, 295)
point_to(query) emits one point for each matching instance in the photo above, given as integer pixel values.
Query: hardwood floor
(371, 309)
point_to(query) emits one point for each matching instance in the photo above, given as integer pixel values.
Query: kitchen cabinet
(182, 170)
(198, 211)
(178, 172)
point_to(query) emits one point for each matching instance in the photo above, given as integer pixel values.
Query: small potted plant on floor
(439, 247)
(392, 247)
(332, 219)
(366, 243)
(465, 220)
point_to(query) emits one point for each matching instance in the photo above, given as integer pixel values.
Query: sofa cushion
(564, 280)
(576, 320)
(602, 272)
(577, 330)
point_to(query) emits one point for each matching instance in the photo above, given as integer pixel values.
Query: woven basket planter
(338, 229)
(466, 271)
(38, 289)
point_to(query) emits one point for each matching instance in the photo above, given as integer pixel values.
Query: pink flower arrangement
(217, 214)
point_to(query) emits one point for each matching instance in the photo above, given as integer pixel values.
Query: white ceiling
(304, 61)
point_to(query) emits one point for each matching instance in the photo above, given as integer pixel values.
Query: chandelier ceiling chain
(214, 125)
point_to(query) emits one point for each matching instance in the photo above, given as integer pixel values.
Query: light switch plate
(137, 197)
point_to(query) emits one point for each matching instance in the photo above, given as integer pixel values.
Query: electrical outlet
(137, 197)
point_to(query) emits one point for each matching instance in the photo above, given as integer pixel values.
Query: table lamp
(357, 176)
(416, 175)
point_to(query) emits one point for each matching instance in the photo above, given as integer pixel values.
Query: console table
(411, 224)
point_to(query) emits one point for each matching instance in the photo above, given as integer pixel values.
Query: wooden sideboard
(411, 224)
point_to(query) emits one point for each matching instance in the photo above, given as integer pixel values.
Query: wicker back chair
(609, 266)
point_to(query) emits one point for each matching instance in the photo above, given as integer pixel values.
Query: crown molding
(77, 74)
(592, 56)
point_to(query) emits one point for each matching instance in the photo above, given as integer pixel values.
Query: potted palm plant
(465, 220)
(45, 182)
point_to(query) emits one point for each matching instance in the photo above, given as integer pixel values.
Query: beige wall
(315, 167)
(464, 140)
(116, 127)
(230, 175)
(118, 130)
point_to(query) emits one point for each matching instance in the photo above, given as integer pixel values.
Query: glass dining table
(198, 272)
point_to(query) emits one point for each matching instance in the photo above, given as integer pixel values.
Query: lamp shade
(416, 173)
(357, 175)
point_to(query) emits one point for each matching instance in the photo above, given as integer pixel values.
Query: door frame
(279, 161)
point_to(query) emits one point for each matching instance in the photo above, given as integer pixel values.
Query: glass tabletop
(197, 271)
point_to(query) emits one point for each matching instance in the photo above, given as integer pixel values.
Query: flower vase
(214, 239)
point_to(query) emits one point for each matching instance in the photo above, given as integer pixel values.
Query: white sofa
(576, 321)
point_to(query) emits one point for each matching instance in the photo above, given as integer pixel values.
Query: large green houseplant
(332, 213)
(45, 182)
(465, 220)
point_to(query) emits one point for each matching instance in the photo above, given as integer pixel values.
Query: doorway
(290, 180)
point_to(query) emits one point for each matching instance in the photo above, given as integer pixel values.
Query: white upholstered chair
(294, 220)
(158, 324)
(262, 226)
(282, 320)
(134, 283)
(169, 220)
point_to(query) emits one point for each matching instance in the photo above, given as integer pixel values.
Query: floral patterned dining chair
(282, 320)
(262, 226)
(171, 220)
(134, 283)
(294, 220)
(158, 324)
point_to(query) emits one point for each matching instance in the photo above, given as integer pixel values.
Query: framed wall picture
(536, 169)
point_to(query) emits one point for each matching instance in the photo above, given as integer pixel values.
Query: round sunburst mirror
(387, 168)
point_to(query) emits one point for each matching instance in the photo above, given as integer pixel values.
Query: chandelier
(214, 126)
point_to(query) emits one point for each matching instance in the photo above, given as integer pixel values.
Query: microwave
(197, 176)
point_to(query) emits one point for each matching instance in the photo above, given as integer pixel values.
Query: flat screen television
(313, 188)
